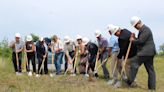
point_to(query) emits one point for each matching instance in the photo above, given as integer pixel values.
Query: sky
(71, 17)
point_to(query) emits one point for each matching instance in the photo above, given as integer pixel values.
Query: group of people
(127, 53)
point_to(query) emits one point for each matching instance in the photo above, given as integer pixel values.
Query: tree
(161, 48)
(5, 51)
(4, 43)
(35, 37)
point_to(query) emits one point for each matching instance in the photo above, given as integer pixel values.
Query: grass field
(9, 82)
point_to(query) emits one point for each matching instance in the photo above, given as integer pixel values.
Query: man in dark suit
(145, 54)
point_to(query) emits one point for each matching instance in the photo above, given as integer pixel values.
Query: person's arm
(102, 49)
(21, 49)
(110, 51)
(82, 50)
(60, 47)
(12, 45)
(33, 47)
(67, 54)
(52, 47)
(142, 38)
(68, 57)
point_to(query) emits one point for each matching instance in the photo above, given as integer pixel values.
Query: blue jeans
(58, 61)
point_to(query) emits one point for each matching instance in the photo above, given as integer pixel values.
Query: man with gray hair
(145, 54)
(69, 50)
(103, 50)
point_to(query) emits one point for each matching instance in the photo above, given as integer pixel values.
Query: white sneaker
(52, 75)
(134, 84)
(18, 73)
(30, 74)
(111, 82)
(86, 75)
(118, 84)
(37, 76)
(124, 77)
(73, 74)
(95, 72)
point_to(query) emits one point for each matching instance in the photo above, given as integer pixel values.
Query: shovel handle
(17, 58)
(126, 58)
(44, 58)
(97, 58)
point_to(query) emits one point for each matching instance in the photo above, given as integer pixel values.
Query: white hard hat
(18, 35)
(66, 39)
(41, 39)
(97, 33)
(110, 27)
(85, 40)
(29, 38)
(134, 20)
(114, 29)
(78, 37)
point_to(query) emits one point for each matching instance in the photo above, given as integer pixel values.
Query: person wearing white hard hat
(98, 33)
(58, 50)
(79, 39)
(42, 51)
(82, 53)
(92, 50)
(103, 50)
(69, 51)
(30, 52)
(123, 41)
(113, 52)
(134, 21)
(17, 48)
(145, 54)
(67, 39)
(85, 40)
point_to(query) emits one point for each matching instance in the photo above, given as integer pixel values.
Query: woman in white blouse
(57, 49)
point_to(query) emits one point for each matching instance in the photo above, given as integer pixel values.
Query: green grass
(9, 82)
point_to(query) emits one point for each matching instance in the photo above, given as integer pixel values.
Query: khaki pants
(113, 61)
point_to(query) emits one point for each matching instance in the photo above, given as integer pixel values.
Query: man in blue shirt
(113, 52)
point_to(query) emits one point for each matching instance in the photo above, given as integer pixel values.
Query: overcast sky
(72, 17)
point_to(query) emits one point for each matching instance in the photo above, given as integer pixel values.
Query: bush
(5, 51)
(161, 50)
(35, 37)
